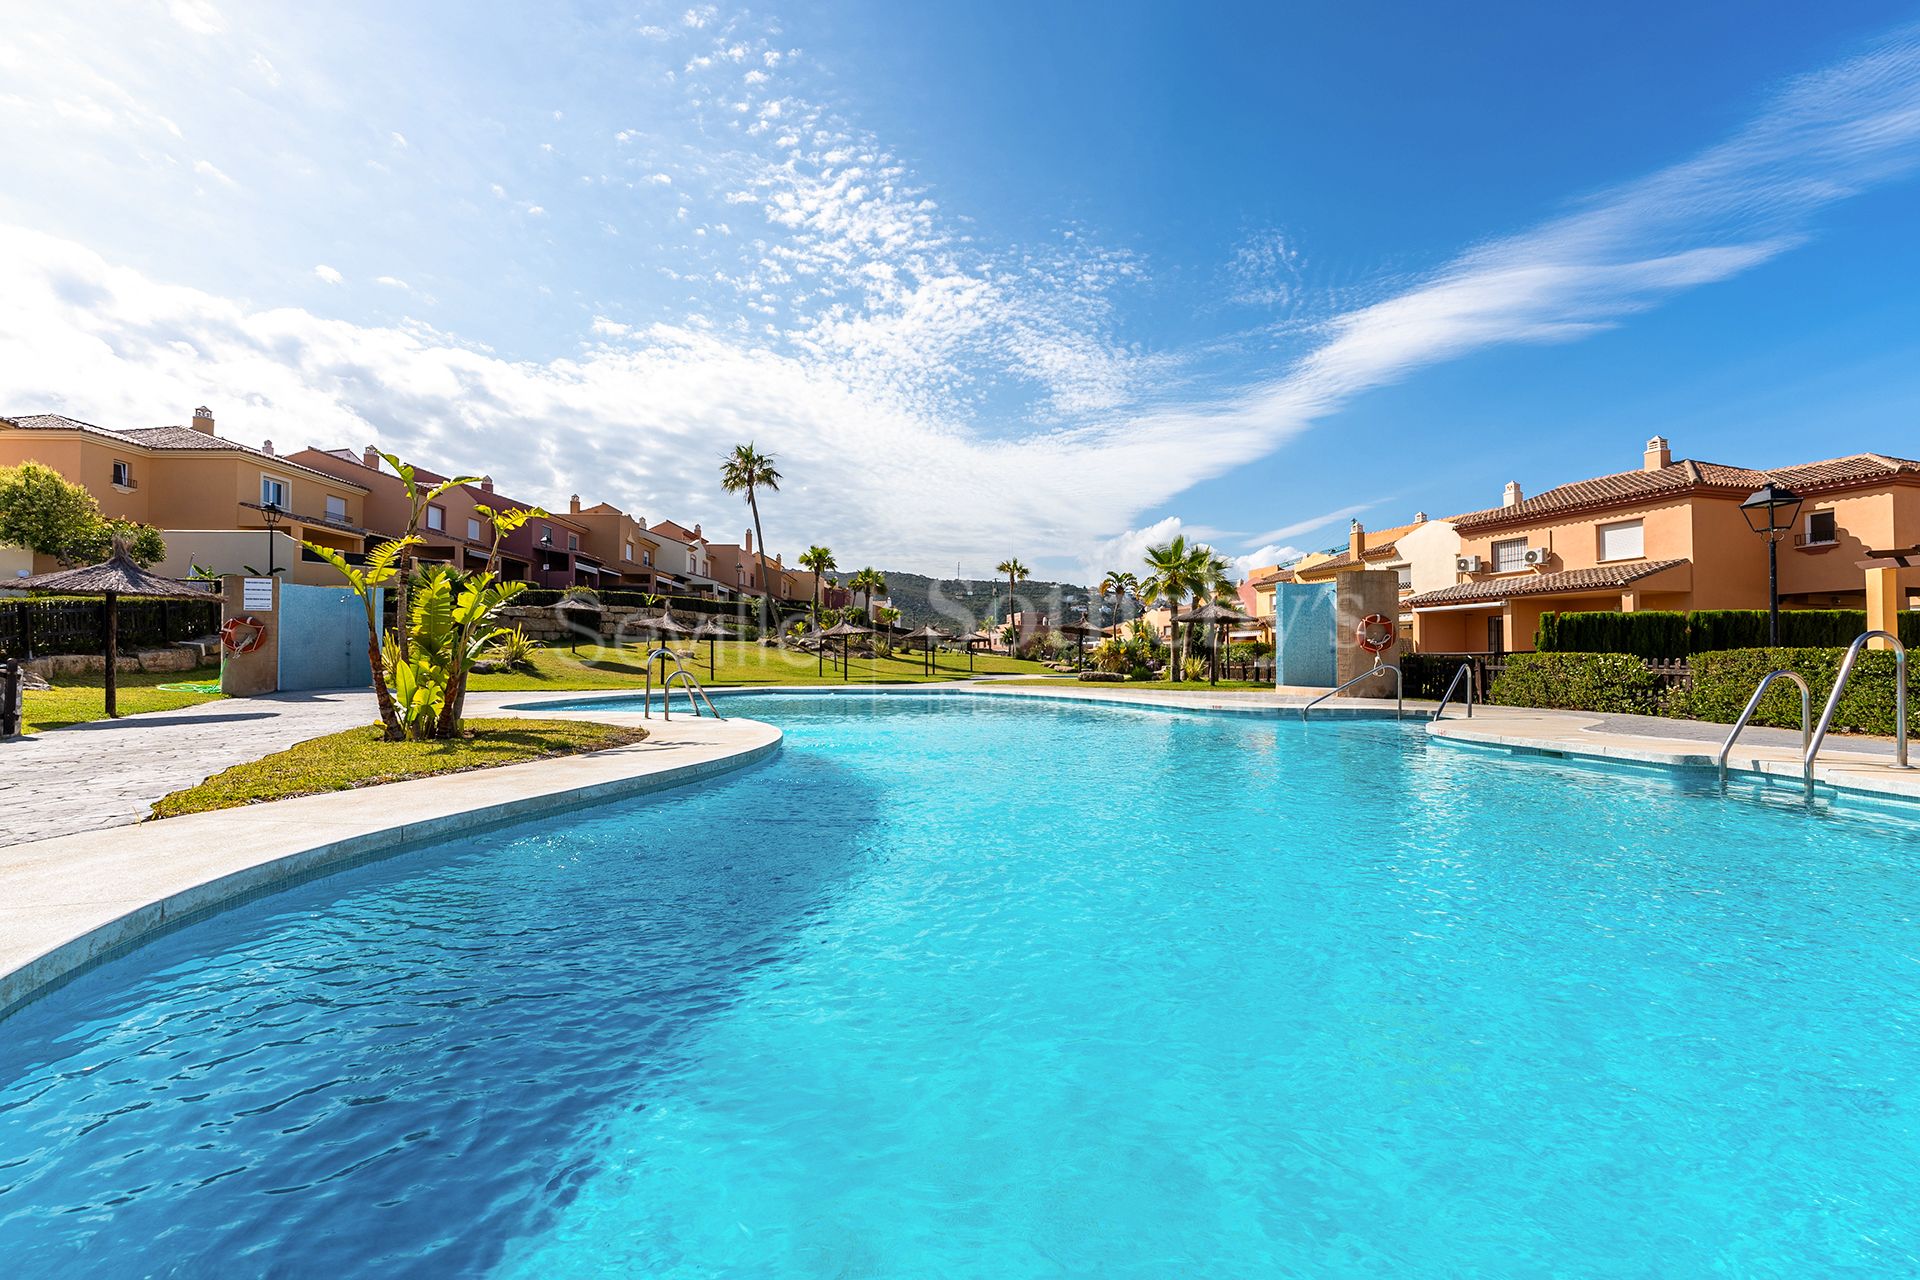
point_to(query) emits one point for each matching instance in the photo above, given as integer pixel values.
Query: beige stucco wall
(229, 551)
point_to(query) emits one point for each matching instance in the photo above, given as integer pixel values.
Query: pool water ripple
(952, 987)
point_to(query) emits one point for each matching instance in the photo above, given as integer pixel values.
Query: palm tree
(819, 562)
(1212, 582)
(1016, 572)
(747, 470)
(1173, 569)
(1119, 584)
(867, 584)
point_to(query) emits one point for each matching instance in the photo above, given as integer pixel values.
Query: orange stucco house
(1670, 535)
(209, 497)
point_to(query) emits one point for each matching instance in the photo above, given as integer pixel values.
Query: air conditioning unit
(1537, 557)
(1468, 564)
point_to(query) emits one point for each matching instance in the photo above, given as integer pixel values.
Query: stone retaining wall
(188, 655)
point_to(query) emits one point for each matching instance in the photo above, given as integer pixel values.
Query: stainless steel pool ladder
(1399, 698)
(1840, 687)
(689, 685)
(1465, 670)
(1753, 705)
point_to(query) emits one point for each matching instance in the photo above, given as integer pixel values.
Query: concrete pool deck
(69, 901)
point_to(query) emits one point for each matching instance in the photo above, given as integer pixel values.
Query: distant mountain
(955, 604)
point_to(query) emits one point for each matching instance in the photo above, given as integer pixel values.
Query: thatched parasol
(710, 631)
(1081, 629)
(116, 576)
(977, 636)
(846, 631)
(928, 636)
(1215, 614)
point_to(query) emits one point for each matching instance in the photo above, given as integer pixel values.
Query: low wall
(174, 658)
(554, 626)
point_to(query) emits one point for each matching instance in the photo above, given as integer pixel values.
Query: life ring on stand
(1362, 634)
(242, 634)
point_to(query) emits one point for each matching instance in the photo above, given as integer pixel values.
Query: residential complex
(225, 507)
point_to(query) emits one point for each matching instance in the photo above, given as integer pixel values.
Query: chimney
(1419, 517)
(266, 447)
(1659, 454)
(747, 542)
(573, 505)
(696, 532)
(1356, 540)
(1512, 497)
(486, 484)
(370, 457)
(203, 420)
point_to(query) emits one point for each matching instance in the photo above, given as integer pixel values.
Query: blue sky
(1049, 280)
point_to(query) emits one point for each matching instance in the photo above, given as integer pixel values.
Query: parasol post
(113, 655)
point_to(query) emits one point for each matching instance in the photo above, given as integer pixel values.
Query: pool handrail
(1753, 705)
(690, 685)
(1464, 669)
(1399, 690)
(1840, 687)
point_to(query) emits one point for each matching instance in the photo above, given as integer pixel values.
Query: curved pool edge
(73, 902)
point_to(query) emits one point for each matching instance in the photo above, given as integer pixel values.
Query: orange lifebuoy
(1370, 644)
(242, 634)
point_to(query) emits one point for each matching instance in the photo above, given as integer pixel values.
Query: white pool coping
(70, 902)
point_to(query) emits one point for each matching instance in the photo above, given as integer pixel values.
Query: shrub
(1140, 672)
(1102, 677)
(1578, 682)
(1723, 681)
(511, 649)
(1666, 636)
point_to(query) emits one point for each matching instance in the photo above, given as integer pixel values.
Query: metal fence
(36, 627)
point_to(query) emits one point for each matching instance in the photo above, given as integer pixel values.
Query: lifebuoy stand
(249, 635)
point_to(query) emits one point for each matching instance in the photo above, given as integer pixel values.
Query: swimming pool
(956, 986)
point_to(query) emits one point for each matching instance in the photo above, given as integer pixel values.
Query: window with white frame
(473, 530)
(437, 519)
(1823, 528)
(573, 542)
(646, 558)
(123, 474)
(1510, 555)
(628, 553)
(273, 493)
(336, 508)
(1405, 574)
(1623, 540)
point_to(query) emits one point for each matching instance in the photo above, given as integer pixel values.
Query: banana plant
(380, 567)
(418, 499)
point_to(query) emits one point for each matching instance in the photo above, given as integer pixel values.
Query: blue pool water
(952, 987)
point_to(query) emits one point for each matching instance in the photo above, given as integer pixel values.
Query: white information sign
(256, 594)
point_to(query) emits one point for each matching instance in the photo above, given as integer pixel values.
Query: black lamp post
(1772, 511)
(271, 514)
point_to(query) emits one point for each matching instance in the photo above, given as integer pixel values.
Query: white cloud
(207, 169)
(198, 16)
(393, 282)
(610, 328)
(399, 139)
(327, 275)
(660, 179)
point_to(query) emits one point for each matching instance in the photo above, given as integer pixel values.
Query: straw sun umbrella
(928, 636)
(972, 638)
(711, 630)
(1081, 629)
(1214, 614)
(117, 576)
(845, 631)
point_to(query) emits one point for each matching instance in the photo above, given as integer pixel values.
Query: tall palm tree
(1172, 570)
(747, 470)
(867, 583)
(1212, 581)
(1016, 573)
(1119, 584)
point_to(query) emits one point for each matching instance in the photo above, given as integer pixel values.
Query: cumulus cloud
(327, 275)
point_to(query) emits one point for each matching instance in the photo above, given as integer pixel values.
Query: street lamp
(1771, 511)
(271, 514)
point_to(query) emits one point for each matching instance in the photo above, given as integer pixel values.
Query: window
(546, 534)
(1822, 528)
(437, 519)
(1405, 574)
(336, 508)
(1626, 540)
(1510, 555)
(473, 530)
(273, 493)
(573, 542)
(646, 558)
(122, 474)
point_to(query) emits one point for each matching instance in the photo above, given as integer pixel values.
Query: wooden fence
(36, 627)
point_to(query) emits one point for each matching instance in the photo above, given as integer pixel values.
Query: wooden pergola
(112, 578)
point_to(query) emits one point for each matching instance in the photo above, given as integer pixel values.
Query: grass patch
(80, 699)
(362, 758)
(1225, 686)
(737, 664)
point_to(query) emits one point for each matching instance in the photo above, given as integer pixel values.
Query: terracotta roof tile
(178, 438)
(1629, 487)
(1603, 577)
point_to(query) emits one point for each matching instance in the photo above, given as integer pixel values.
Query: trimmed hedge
(1667, 636)
(638, 600)
(1722, 683)
(1579, 682)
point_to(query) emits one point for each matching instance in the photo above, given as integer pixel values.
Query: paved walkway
(109, 772)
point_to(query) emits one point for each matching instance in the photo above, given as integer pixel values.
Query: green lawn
(78, 699)
(362, 758)
(736, 664)
(1225, 686)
